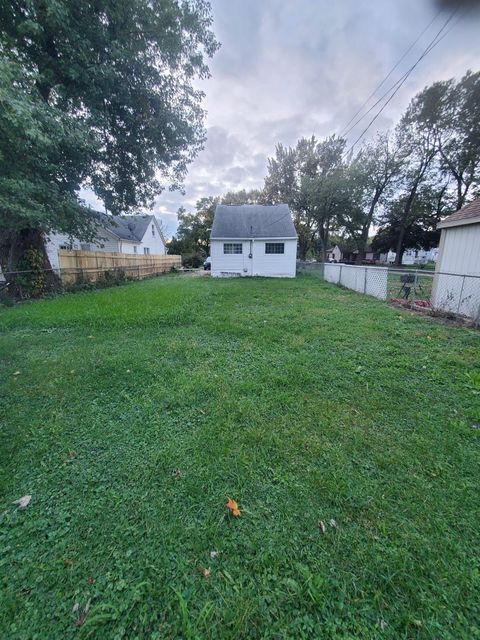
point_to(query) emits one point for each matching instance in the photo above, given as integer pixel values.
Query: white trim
(245, 238)
(458, 223)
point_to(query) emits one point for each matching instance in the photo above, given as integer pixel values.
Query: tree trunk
(400, 248)
(25, 263)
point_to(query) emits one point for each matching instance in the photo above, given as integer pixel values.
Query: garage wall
(262, 264)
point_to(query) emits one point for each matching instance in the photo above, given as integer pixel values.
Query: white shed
(456, 286)
(253, 240)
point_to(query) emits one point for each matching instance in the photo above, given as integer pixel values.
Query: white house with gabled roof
(253, 240)
(140, 234)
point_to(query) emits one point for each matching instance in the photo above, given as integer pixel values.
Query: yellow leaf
(233, 506)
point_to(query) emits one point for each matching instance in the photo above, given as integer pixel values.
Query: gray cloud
(292, 69)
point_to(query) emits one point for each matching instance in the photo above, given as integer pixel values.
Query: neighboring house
(458, 258)
(349, 256)
(123, 234)
(334, 254)
(253, 240)
(410, 256)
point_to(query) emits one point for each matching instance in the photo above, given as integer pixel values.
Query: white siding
(277, 265)
(56, 240)
(459, 253)
(129, 247)
(153, 241)
(460, 250)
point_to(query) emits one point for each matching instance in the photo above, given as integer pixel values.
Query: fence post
(365, 281)
(414, 288)
(340, 275)
(460, 296)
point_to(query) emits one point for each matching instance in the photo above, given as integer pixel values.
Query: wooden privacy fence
(79, 266)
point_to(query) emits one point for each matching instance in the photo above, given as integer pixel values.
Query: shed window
(153, 229)
(232, 247)
(274, 247)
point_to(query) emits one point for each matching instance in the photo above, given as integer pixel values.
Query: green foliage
(32, 282)
(44, 155)
(221, 380)
(192, 240)
(310, 178)
(99, 94)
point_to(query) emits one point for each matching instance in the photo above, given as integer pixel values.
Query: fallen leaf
(233, 506)
(214, 554)
(90, 580)
(429, 337)
(67, 562)
(24, 591)
(90, 336)
(333, 523)
(176, 473)
(23, 501)
(321, 526)
(75, 607)
(382, 624)
(207, 573)
(72, 371)
(16, 373)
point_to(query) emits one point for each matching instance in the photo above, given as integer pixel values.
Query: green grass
(300, 400)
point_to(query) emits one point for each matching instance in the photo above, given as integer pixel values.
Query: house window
(134, 248)
(66, 247)
(153, 229)
(146, 251)
(85, 247)
(274, 247)
(232, 247)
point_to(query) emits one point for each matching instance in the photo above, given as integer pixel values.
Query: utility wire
(388, 76)
(398, 85)
(433, 43)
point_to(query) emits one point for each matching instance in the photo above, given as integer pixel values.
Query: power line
(433, 43)
(388, 75)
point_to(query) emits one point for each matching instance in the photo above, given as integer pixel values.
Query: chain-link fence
(449, 294)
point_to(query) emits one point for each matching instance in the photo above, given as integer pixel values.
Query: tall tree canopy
(96, 93)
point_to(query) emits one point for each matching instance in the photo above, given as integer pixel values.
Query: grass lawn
(137, 411)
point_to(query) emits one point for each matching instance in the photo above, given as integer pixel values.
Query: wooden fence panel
(76, 266)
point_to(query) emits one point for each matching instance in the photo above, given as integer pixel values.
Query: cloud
(292, 69)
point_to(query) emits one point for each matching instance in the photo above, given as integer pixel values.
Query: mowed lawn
(138, 411)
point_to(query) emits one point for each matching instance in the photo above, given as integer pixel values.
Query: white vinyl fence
(369, 280)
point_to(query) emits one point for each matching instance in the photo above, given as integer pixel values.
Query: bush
(193, 260)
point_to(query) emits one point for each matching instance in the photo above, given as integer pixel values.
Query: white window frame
(275, 245)
(232, 248)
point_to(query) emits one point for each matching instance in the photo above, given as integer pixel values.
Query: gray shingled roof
(468, 214)
(126, 228)
(253, 221)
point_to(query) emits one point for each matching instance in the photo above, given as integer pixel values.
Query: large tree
(102, 96)
(370, 179)
(419, 230)
(309, 179)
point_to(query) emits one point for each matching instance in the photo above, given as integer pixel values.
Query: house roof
(468, 214)
(253, 221)
(130, 228)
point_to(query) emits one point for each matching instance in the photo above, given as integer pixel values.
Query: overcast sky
(292, 68)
